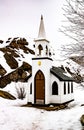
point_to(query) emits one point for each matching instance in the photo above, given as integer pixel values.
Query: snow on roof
(58, 72)
(3, 63)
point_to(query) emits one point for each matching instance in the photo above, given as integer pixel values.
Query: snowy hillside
(15, 60)
(15, 57)
(14, 117)
(15, 49)
(71, 68)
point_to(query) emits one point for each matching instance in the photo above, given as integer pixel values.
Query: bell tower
(41, 65)
(41, 43)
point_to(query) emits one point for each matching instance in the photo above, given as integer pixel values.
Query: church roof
(60, 74)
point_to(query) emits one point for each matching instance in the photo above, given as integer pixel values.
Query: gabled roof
(60, 74)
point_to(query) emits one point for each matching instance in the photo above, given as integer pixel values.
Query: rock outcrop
(13, 53)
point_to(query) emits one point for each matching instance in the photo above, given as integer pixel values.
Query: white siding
(61, 97)
(30, 97)
(45, 66)
(68, 96)
(43, 43)
(49, 79)
(55, 98)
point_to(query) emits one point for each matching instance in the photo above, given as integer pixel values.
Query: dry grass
(6, 95)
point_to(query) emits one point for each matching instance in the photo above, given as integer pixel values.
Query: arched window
(68, 88)
(50, 54)
(64, 87)
(31, 88)
(54, 88)
(40, 48)
(71, 87)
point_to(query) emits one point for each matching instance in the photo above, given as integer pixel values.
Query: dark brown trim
(68, 101)
(57, 104)
(30, 103)
(42, 58)
(64, 103)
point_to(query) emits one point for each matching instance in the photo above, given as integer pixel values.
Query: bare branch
(74, 29)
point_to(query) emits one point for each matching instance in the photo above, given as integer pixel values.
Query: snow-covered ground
(15, 117)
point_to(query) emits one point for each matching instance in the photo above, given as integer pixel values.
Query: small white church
(47, 84)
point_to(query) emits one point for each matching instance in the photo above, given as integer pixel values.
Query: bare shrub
(20, 90)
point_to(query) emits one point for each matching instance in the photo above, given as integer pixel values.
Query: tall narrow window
(68, 88)
(54, 88)
(64, 87)
(40, 48)
(71, 87)
(46, 50)
(31, 88)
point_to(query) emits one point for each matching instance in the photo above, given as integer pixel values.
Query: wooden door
(39, 88)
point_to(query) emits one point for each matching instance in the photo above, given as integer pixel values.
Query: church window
(64, 87)
(50, 52)
(54, 88)
(71, 87)
(68, 88)
(40, 48)
(46, 50)
(31, 88)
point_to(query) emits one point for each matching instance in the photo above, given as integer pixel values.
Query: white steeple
(41, 43)
(41, 33)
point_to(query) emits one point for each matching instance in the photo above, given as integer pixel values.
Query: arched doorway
(39, 88)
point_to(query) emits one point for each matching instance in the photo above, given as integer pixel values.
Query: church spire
(41, 43)
(41, 33)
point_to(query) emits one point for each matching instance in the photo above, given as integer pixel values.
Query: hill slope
(14, 60)
(15, 56)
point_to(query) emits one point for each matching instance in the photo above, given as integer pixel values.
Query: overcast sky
(22, 18)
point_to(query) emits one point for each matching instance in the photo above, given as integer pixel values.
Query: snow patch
(14, 117)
